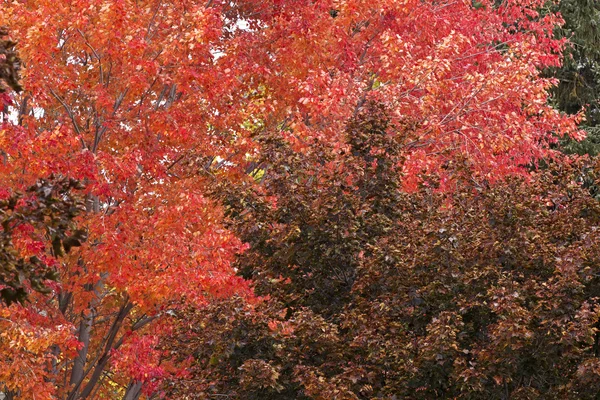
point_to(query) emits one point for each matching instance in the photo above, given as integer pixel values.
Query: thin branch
(71, 116)
(95, 54)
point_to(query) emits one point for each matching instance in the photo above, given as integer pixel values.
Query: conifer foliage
(579, 75)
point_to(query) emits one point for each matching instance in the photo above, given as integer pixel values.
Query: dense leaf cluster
(41, 218)
(490, 292)
(10, 63)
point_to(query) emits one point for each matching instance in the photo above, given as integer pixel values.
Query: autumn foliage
(489, 292)
(316, 146)
(37, 227)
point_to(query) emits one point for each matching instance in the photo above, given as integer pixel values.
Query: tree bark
(134, 390)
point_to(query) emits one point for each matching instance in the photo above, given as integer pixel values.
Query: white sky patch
(242, 25)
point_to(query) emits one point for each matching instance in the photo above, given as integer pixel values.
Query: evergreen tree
(579, 77)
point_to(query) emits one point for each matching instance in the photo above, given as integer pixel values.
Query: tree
(148, 102)
(486, 292)
(89, 111)
(578, 77)
(48, 208)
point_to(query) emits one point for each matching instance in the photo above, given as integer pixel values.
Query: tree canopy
(361, 123)
(489, 292)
